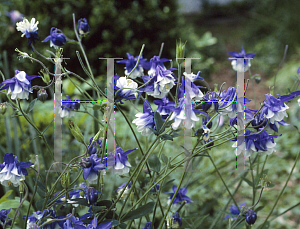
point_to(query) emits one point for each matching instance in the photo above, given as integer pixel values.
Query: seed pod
(3, 108)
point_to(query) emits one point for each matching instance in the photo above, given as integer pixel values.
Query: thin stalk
(253, 183)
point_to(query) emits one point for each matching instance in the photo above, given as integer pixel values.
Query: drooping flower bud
(83, 27)
(76, 132)
(91, 195)
(251, 217)
(42, 95)
(3, 108)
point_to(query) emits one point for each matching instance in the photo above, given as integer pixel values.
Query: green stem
(281, 192)
(253, 183)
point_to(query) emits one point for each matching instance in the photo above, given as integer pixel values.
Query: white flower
(122, 82)
(27, 27)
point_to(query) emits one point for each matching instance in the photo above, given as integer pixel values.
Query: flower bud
(42, 95)
(21, 187)
(76, 131)
(83, 27)
(180, 51)
(251, 217)
(132, 197)
(45, 76)
(91, 195)
(3, 108)
(257, 79)
(65, 180)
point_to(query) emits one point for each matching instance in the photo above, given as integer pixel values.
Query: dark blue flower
(130, 64)
(211, 101)
(242, 54)
(250, 217)
(165, 106)
(156, 187)
(154, 62)
(74, 223)
(180, 197)
(83, 27)
(38, 216)
(19, 86)
(148, 225)
(93, 148)
(12, 171)
(177, 220)
(75, 104)
(122, 186)
(234, 211)
(91, 195)
(121, 160)
(68, 107)
(56, 37)
(91, 165)
(145, 120)
(4, 217)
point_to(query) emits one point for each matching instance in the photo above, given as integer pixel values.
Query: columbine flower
(68, 107)
(252, 142)
(73, 223)
(19, 86)
(177, 221)
(91, 195)
(130, 64)
(29, 29)
(148, 225)
(160, 83)
(275, 108)
(165, 106)
(122, 186)
(75, 194)
(145, 120)
(211, 102)
(156, 187)
(94, 222)
(180, 197)
(234, 211)
(12, 171)
(121, 160)
(3, 216)
(250, 217)
(154, 62)
(179, 115)
(130, 88)
(91, 165)
(229, 100)
(242, 54)
(83, 27)
(193, 90)
(15, 16)
(38, 216)
(93, 149)
(56, 37)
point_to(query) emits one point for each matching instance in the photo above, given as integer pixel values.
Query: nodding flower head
(83, 27)
(242, 54)
(91, 195)
(180, 196)
(56, 37)
(250, 217)
(19, 86)
(145, 120)
(28, 29)
(130, 64)
(129, 91)
(234, 211)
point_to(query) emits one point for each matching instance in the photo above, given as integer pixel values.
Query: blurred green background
(262, 27)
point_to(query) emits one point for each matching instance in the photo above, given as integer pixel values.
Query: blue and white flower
(12, 171)
(130, 64)
(56, 37)
(122, 186)
(160, 83)
(177, 221)
(73, 223)
(193, 90)
(4, 217)
(242, 54)
(129, 91)
(148, 225)
(154, 62)
(68, 107)
(145, 120)
(211, 102)
(91, 165)
(121, 160)
(19, 86)
(28, 29)
(179, 115)
(83, 27)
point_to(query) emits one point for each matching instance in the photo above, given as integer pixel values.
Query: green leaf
(139, 212)
(4, 198)
(39, 203)
(158, 121)
(200, 220)
(259, 208)
(98, 208)
(247, 181)
(164, 158)
(106, 203)
(167, 137)
(154, 163)
(31, 105)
